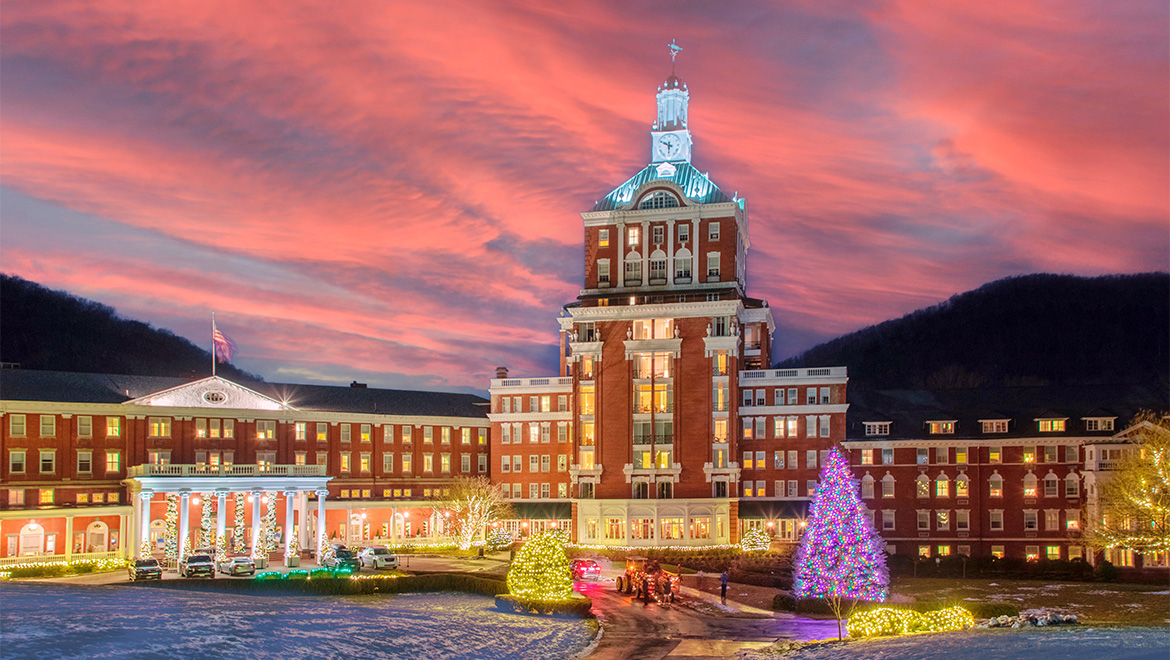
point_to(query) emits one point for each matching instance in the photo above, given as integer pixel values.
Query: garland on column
(221, 549)
(269, 535)
(238, 530)
(207, 522)
(171, 546)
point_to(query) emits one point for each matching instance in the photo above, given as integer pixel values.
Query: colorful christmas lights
(841, 558)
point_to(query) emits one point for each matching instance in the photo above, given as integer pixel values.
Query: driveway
(634, 630)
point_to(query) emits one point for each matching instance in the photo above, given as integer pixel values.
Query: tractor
(662, 585)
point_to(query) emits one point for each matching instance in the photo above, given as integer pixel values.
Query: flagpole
(213, 344)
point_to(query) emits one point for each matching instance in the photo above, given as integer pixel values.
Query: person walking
(723, 587)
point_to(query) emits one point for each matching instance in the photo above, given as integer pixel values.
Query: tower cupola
(670, 139)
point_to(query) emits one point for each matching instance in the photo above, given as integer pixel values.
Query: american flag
(225, 348)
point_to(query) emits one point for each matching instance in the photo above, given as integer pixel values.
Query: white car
(378, 557)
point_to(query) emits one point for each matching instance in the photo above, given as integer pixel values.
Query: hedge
(341, 586)
(60, 569)
(955, 566)
(784, 602)
(579, 607)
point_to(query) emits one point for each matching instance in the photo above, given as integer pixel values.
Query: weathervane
(675, 49)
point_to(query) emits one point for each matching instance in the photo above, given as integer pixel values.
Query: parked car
(241, 565)
(144, 569)
(210, 552)
(193, 565)
(378, 557)
(660, 585)
(585, 570)
(342, 558)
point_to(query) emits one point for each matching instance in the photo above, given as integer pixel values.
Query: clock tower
(670, 140)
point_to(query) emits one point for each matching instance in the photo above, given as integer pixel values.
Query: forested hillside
(45, 329)
(1032, 329)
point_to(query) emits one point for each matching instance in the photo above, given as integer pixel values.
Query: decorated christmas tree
(171, 544)
(238, 530)
(541, 569)
(841, 558)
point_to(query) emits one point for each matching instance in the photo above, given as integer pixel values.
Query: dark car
(194, 565)
(585, 570)
(344, 559)
(237, 566)
(144, 569)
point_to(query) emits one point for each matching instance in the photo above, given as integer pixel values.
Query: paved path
(634, 630)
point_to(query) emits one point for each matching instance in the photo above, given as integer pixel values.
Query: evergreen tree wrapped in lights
(841, 558)
(755, 539)
(270, 535)
(207, 521)
(238, 530)
(221, 548)
(171, 545)
(541, 569)
(144, 550)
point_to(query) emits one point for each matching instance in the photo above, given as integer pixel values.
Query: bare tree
(1134, 503)
(472, 503)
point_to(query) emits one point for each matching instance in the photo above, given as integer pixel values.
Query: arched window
(1051, 485)
(996, 482)
(32, 539)
(1072, 485)
(659, 199)
(658, 267)
(682, 266)
(867, 487)
(922, 485)
(888, 486)
(962, 486)
(942, 486)
(97, 537)
(1029, 485)
(633, 269)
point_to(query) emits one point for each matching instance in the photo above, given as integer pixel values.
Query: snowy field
(1060, 643)
(72, 621)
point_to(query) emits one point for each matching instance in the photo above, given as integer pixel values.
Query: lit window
(160, 427)
(1051, 425)
(1029, 454)
(301, 430)
(941, 427)
(942, 487)
(994, 454)
(113, 461)
(603, 238)
(923, 486)
(996, 483)
(113, 427)
(632, 236)
(365, 432)
(46, 496)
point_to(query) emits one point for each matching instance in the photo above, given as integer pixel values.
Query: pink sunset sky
(391, 191)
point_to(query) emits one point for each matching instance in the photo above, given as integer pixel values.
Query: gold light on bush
(755, 539)
(897, 621)
(541, 569)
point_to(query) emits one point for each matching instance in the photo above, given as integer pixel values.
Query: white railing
(234, 470)
(531, 382)
(1106, 465)
(784, 374)
(77, 556)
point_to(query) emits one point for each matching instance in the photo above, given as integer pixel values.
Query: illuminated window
(345, 461)
(407, 462)
(322, 431)
(159, 427)
(995, 454)
(113, 427)
(428, 463)
(301, 430)
(200, 428)
(213, 428)
(365, 432)
(922, 486)
(888, 486)
(445, 435)
(960, 455)
(867, 457)
(299, 458)
(632, 236)
(961, 486)
(1032, 553)
(113, 461)
(1072, 520)
(997, 551)
(364, 462)
(996, 486)
(1029, 485)
(941, 427)
(429, 431)
(46, 496)
(1029, 454)
(942, 486)
(995, 426)
(406, 433)
(1051, 425)
(266, 429)
(603, 238)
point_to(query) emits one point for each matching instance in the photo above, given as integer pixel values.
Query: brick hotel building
(665, 425)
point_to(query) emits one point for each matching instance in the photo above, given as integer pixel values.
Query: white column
(256, 495)
(645, 245)
(184, 501)
(289, 496)
(220, 516)
(69, 538)
(122, 531)
(303, 515)
(321, 494)
(143, 520)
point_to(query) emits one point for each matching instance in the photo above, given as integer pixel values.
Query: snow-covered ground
(83, 621)
(1060, 643)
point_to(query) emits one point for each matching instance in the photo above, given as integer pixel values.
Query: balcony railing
(794, 373)
(531, 382)
(661, 408)
(643, 439)
(235, 470)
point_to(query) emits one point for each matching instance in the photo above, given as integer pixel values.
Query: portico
(209, 485)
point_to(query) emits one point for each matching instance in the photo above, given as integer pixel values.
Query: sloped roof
(695, 185)
(908, 410)
(69, 387)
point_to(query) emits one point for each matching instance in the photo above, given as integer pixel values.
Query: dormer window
(877, 428)
(1051, 425)
(947, 427)
(994, 425)
(659, 200)
(1098, 423)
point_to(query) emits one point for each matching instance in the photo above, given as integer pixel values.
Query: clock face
(669, 145)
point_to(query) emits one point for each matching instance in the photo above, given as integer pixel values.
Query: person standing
(645, 590)
(723, 587)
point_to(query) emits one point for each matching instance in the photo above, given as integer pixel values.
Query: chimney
(357, 386)
(501, 372)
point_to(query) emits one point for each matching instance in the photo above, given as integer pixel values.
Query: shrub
(579, 607)
(1106, 572)
(318, 573)
(269, 575)
(980, 609)
(297, 575)
(896, 621)
(783, 602)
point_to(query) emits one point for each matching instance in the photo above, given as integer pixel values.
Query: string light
(755, 539)
(541, 568)
(899, 621)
